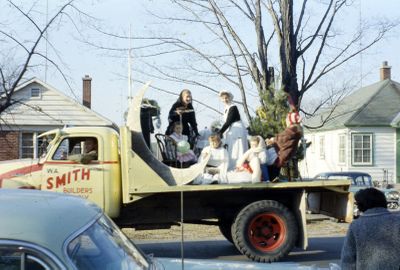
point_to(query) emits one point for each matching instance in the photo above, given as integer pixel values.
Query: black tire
(225, 227)
(265, 231)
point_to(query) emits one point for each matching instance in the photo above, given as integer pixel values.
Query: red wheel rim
(267, 232)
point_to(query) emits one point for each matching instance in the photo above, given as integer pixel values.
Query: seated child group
(260, 162)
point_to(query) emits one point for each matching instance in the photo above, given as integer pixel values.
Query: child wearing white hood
(257, 158)
(217, 164)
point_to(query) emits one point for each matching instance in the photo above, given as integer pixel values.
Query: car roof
(345, 173)
(43, 218)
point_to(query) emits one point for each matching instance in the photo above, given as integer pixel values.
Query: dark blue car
(360, 180)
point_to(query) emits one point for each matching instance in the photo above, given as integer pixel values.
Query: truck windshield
(104, 246)
(45, 144)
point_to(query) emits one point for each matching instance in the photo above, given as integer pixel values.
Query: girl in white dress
(233, 131)
(217, 164)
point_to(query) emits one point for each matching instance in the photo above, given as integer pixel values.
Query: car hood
(199, 264)
(386, 190)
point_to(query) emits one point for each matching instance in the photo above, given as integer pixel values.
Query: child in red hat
(285, 143)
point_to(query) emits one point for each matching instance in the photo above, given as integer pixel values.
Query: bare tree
(20, 48)
(243, 42)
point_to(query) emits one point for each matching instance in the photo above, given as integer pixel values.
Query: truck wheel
(225, 227)
(265, 231)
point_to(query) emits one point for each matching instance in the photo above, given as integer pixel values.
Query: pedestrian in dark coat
(373, 240)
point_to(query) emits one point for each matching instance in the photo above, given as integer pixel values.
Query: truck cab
(98, 180)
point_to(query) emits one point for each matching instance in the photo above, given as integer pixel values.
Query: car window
(360, 181)
(368, 181)
(11, 259)
(72, 146)
(104, 246)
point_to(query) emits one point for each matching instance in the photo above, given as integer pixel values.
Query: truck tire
(225, 227)
(265, 231)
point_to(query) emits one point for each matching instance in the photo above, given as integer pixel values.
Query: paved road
(321, 251)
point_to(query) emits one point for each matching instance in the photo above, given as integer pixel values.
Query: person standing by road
(182, 111)
(373, 240)
(233, 130)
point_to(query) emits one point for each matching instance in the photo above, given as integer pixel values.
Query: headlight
(392, 195)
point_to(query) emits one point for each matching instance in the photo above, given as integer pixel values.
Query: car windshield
(362, 181)
(104, 246)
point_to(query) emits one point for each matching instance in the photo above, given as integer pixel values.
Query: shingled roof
(53, 109)
(374, 105)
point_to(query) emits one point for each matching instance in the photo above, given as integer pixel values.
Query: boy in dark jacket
(285, 144)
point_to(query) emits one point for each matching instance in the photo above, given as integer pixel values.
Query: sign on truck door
(69, 169)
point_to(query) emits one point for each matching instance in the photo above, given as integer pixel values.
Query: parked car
(360, 180)
(48, 230)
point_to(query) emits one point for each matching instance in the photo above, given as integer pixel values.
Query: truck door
(75, 167)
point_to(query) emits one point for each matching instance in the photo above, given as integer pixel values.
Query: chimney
(385, 71)
(87, 91)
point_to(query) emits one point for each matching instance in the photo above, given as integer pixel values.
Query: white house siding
(313, 163)
(384, 153)
(56, 110)
(34, 115)
(384, 140)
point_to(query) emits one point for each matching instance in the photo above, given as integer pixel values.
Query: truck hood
(18, 173)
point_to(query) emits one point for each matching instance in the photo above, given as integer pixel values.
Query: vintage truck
(263, 220)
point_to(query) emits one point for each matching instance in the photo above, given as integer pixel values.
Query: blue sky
(110, 86)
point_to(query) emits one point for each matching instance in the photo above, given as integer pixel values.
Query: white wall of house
(323, 154)
(43, 108)
(49, 108)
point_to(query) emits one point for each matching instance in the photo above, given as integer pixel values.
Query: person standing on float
(233, 130)
(182, 111)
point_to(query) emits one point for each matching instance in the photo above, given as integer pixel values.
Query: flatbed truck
(265, 221)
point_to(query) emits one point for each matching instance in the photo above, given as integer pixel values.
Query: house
(362, 133)
(42, 108)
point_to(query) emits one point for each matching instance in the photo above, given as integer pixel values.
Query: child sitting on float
(253, 163)
(217, 164)
(184, 153)
(284, 145)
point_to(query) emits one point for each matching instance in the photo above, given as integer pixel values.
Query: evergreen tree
(270, 116)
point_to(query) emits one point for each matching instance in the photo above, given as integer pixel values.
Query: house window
(342, 148)
(29, 145)
(35, 92)
(322, 147)
(362, 149)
